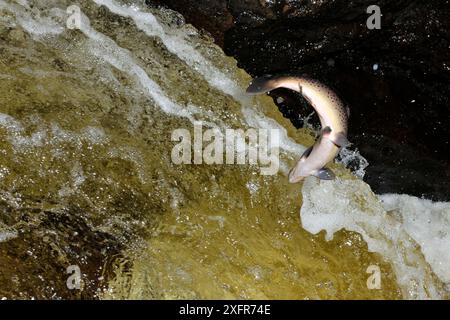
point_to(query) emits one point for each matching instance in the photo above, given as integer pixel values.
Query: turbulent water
(87, 180)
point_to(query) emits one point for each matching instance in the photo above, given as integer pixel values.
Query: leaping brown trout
(333, 117)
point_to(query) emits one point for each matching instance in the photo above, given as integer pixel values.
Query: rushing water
(86, 117)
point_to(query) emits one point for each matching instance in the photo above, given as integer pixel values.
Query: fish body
(333, 116)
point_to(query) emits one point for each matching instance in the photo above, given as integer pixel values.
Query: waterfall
(86, 119)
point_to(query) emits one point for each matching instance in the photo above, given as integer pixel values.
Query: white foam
(428, 223)
(95, 135)
(354, 160)
(10, 124)
(7, 235)
(175, 42)
(351, 205)
(17, 137)
(106, 49)
(38, 26)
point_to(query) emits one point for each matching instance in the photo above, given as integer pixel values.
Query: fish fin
(261, 85)
(306, 153)
(325, 174)
(326, 131)
(339, 139)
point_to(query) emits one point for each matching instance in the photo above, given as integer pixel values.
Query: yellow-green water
(86, 175)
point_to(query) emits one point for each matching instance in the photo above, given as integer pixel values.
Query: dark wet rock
(34, 263)
(396, 80)
(403, 169)
(212, 16)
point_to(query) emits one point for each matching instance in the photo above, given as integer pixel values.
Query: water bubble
(280, 100)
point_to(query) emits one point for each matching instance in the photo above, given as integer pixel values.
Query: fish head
(298, 173)
(294, 176)
(268, 83)
(262, 85)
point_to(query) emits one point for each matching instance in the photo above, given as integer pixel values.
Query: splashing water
(87, 179)
(353, 160)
